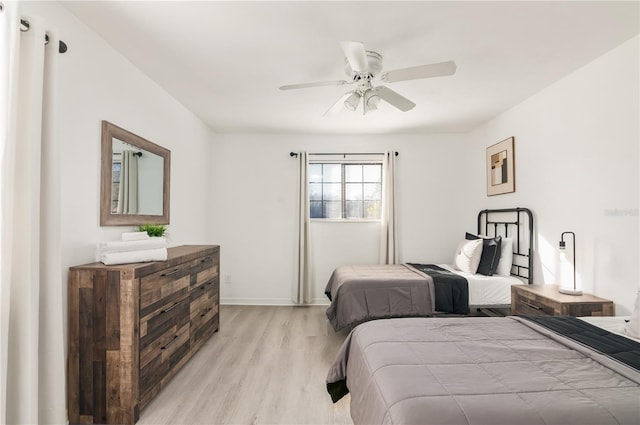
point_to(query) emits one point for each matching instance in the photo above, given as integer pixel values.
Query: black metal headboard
(518, 224)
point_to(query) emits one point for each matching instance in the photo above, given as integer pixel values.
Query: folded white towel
(142, 256)
(126, 246)
(135, 236)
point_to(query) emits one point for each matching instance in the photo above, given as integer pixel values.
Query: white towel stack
(135, 236)
(135, 247)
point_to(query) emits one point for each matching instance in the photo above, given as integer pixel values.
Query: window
(348, 191)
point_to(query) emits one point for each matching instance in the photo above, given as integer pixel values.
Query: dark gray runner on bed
(451, 289)
(615, 346)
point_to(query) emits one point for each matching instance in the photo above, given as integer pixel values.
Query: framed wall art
(500, 168)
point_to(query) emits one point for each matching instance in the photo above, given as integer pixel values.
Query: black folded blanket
(451, 289)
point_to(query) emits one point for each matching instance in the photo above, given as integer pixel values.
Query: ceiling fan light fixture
(351, 103)
(363, 67)
(371, 100)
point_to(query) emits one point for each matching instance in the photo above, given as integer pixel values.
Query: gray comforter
(480, 371)
(377, 291)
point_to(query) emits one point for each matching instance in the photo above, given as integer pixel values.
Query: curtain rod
(25, 26)
(138, 154)
(343, 153)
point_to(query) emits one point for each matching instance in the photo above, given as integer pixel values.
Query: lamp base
(569, 291)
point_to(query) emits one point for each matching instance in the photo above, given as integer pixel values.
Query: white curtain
(128, 193)
(33, 338)
(302, 291)
(388, 231)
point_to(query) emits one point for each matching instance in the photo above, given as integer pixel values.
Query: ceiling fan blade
(314, 84)
(421, 71)
(338, 106)
(356, 55)
(394, 98)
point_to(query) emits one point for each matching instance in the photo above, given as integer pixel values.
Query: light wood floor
(266, 365)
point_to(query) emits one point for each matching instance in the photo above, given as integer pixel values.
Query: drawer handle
(204, 260)
(528, 304)
(205, 313)
(170, 308)
(175, 338)
(170, 273)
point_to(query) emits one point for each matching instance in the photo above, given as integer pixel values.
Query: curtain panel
(128, 192)
(32, 333)
(388, 231)
(302, 293)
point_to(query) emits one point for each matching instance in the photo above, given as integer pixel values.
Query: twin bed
(475, 370)
(488, 370)
(360, 293)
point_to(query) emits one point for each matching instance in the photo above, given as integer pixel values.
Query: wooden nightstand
(545, 300)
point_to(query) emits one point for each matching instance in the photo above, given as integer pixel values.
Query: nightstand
(545, 300)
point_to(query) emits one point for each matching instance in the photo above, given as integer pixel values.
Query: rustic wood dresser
(133, 326)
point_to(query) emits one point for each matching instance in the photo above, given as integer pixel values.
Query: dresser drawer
(203, 270)
(166, 342)
(166, 318)
(203, 312)
(156, 374)
(529, 306)
(159, 288)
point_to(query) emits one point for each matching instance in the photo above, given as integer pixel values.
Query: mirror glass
(135, 179)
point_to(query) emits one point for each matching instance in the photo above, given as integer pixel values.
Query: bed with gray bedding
(363, 292)
(359, 293)
(479, 370)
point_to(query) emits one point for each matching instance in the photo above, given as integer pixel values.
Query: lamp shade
(351, 103)
(562, 251)
(371, 100)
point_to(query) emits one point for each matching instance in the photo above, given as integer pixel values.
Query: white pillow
(633, 325)
(506, 257)
(467, 256)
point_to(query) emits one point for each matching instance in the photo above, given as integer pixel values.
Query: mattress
(486, 291)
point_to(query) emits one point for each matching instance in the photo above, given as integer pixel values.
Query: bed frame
(516, 223)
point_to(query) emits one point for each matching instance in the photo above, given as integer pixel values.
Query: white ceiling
(225, 60)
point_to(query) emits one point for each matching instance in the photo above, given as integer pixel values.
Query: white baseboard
(269, 301)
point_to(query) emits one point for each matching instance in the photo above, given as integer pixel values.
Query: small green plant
(152, 229)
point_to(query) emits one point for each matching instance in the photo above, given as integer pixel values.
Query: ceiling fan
(364, 66)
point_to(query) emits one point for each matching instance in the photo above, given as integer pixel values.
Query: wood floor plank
(266, 365)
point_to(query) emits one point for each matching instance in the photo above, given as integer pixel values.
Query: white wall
(96, 83)
(255, 193)
(576, 147)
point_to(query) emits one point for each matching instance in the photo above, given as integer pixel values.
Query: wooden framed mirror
(134, 179)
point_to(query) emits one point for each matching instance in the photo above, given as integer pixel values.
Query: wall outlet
(226, 279)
